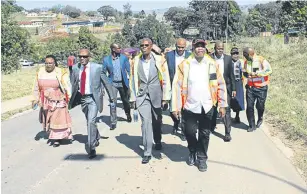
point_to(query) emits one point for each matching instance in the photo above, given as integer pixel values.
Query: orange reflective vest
(261, 67)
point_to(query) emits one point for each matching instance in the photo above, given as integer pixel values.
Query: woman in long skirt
(52, 92)
(237, 103)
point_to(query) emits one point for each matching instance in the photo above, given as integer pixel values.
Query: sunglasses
(180, 47)
(144, 45)
(80, 56)
(235, 53)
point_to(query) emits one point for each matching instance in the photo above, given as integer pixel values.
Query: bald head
(248, 53)
(219, 48)
(181, 44)
(218, 43)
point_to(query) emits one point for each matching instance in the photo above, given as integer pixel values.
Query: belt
(87, 95)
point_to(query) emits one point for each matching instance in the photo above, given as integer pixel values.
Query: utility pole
(226, 32)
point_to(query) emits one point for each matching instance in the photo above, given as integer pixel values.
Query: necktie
(83, 79)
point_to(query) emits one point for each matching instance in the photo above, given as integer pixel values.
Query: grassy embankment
(18, 84)
(286, 106)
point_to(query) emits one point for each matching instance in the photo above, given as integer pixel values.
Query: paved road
(250, 164)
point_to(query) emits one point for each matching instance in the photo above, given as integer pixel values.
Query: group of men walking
(194, 84)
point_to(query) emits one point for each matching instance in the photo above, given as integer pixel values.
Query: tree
(89, 41)
(72, 11)
(61, 47)
(35, 10)
(107, 11)
(178, 17)
(91, 13)
(210, 17)
(142, 14)
(14, 39)
(294, 14)
(120, 39)
(56, 9)
(127, 32)
(150, 27)
(127, 10)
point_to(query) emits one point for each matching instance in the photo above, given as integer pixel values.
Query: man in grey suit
(150, 91)
(88, 81)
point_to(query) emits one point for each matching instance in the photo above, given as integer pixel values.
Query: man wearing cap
(190, 94)
(257, 71)
(174, 58)
(118, 68)
(225, 66)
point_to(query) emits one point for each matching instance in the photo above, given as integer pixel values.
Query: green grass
(18, 84)
(9, 114)
(103, 36)
(286, 105)
(111, 27)
(287, 98)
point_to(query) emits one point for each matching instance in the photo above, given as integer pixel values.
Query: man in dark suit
(225, 66)
(118, 68)
(174, 58)
(88, 81)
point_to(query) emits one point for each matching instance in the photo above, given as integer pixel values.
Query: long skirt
(237, 103)
(57, 122)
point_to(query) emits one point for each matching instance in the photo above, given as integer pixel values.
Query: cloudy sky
(118, 4)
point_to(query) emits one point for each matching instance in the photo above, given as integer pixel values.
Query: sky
(136, 5)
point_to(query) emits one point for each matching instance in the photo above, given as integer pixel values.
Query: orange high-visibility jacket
(261, 67)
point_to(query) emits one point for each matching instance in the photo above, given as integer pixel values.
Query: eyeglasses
(49, 63)
(180, 47)
(80, 56)
(144, 45)
(235, 53)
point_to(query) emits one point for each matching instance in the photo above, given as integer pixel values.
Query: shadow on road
(83, 157)
(107, 119)
(80, 138)
(217, 134)
(175, 152)
(304, 190)
(240, 125)
(41, 135)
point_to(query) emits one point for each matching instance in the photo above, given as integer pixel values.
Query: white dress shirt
(199, 95)
(178, 58)
(220, 62)
(146, 67)
(87, 80)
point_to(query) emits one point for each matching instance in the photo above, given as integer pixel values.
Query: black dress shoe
(92, 154)
(56, 143)
(202, 165)
(259, 123)
(192, 159)
(251, 129)
(113, 126)
(146, 159)
(213, 129)
(182, 137)
(97, 144)
(158, 146)
(175, 128)
(227, 138)
(129, 119)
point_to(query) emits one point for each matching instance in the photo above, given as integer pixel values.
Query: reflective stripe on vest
(258, 81)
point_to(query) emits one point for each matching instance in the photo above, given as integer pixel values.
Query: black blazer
(171, 62)
(229, 76)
